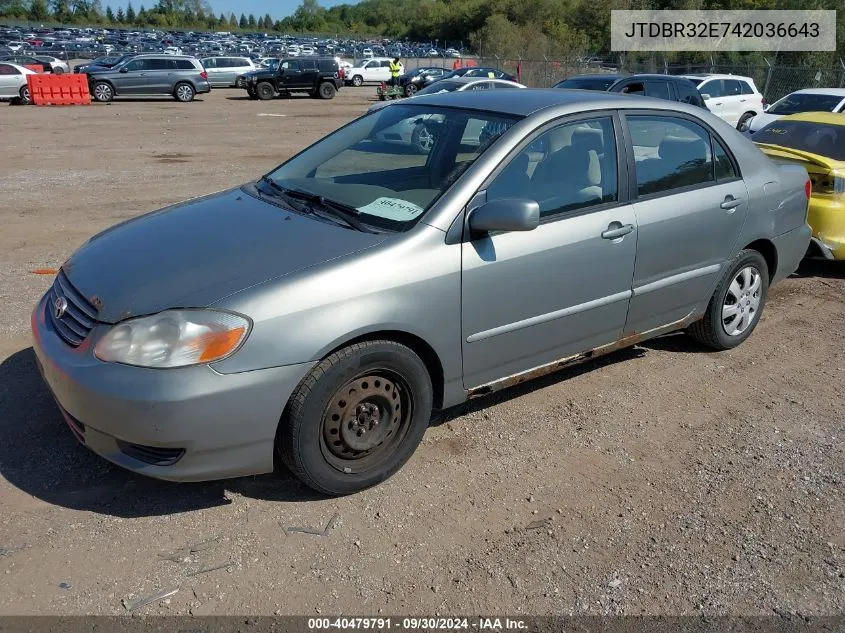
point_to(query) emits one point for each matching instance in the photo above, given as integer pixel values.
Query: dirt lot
(663, 479)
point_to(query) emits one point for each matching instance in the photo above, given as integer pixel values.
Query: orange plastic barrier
(66, 89)
(38, 68)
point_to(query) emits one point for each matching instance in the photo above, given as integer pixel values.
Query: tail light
(808, 188)
(204, 75)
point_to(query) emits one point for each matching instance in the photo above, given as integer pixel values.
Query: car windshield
(816, 138)
(587, 83)
(389, 167)
(444, 85)
(803, 102)
(696, 80)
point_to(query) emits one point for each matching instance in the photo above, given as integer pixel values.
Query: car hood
(198, 252)
(761, 120)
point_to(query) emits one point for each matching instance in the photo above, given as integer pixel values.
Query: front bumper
(215, 425)
(827, 217)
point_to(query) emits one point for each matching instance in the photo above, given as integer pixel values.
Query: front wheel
(356, 418)
(357, 81)
(410, 90)
(265, 91)
(736, 306)
(103, 92)
(25, 96)
(327, 90)
(184, 92)
(744, 120)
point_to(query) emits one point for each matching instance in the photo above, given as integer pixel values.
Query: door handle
(742, 100)
(730, 203)
(616, 230)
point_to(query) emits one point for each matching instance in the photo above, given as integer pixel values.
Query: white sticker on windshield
(392, 209)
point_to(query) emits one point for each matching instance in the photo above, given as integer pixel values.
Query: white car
(373, 70)
(224, 71)
(368, 52)
(420, 136)
(730, 97)
(57, 65)
(307, 50)
(13, 82)
(172, 50)
(809, 100)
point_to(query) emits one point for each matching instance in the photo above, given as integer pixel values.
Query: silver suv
(179, 76)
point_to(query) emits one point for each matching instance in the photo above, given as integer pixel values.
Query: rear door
(160, 75)
(734, 99)
(690, 205)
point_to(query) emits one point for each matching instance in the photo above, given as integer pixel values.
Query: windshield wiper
(344, 212)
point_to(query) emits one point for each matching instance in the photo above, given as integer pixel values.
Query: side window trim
(623, 192)
(632, 175)
(714, 141)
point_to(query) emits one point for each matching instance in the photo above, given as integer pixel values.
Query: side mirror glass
(509, 214)
(124, 70)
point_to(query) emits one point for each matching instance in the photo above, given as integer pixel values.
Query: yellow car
(815, 140)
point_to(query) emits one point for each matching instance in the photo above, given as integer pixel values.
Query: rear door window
(745, 87)
(184, 64)
(732, 88)
(658, 89)
(688, 94)
(713, 88)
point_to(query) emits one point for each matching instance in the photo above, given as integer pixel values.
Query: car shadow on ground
(294, 97)
(821, 268)
(40, 456)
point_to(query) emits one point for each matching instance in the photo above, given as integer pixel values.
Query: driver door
(291, 75)
(531, 298)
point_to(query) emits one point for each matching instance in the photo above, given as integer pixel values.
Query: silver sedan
(324, 311)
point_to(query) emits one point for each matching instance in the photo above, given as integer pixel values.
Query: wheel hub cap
(742, 301)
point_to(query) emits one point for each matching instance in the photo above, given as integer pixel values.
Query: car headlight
(174, 338)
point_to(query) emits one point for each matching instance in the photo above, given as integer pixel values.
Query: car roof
(825, 118)
(601, 76)
(526, 102)
(715, 76)
(656, 76)
(833, 92)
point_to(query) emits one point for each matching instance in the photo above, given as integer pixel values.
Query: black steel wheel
(265, 91)
(357, 417)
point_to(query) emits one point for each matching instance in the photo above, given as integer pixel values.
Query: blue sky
(276, 8)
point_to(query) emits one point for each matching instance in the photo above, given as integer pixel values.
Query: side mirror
(124, 70)
(705, 96)
(509, 214)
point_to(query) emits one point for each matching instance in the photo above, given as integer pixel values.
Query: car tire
(59, 71)
(333, 434)
(736, 306)
(357, 81)
(25, 96)
(327, 90)
(102, 92)
(742, 124)
(252, 94)
(422, 139)
(410, 90)
(265, 91)
(184, 92)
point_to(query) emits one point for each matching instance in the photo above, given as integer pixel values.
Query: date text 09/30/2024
(417, 624)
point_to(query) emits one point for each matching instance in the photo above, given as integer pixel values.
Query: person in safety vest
(395, 71)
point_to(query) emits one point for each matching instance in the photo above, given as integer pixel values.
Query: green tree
(142, 17)
(110, 15)
(233, 21)
(119, 16)
(268, 22)
(251, 23)
(130, 14)
(61, 11)
(242, 22)
(38, 11)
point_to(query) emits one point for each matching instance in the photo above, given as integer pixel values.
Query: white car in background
(13, 82)
(57, 65)
(373, 70)
(809, 100)
(733, 98)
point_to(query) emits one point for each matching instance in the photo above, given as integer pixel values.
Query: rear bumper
(203, 87)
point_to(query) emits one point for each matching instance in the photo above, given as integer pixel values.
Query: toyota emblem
(59, 307)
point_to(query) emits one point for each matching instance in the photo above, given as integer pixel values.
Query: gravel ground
(663, 479)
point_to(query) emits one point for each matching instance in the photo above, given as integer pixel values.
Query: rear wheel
(103, 92)
(26, 97)
(357, 417)
(357, 81)
(184, 92)
(265, 91)
(59, 71)
(410, 90)
(736, 306)
(327, 90)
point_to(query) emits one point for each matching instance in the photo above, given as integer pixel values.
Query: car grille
(79, 317)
